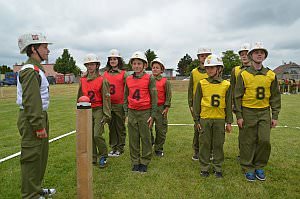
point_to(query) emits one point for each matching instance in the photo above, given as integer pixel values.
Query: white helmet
(257, 46)
(138, 55)
(91, 58)
(114, 53)
(32, 38)
(204, 51)
(157, 60)
(244, 47)
(213, 60)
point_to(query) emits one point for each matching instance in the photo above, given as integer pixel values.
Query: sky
(171, 29)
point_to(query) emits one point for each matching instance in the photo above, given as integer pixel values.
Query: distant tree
(230, 60)
(150, 54)
(66, 64)
(4, 69)
(182, 66)
(194, 64)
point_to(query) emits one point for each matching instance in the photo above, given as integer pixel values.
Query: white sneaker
(47, 192)
(110, 154)
(114, 154)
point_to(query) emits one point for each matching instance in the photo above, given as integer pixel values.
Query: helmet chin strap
(218, 72)
(38, 54)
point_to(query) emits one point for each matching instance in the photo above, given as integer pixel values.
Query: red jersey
(161, 91)
(92, 89)
(139, 93)
(116, 84)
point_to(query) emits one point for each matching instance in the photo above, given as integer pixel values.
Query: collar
(262, 71)
(212, 80)
(158, 77)
(201, 70)
(92, 77)
(35, 63)
(138, 76)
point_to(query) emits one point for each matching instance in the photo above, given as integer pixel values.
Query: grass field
(174, 176)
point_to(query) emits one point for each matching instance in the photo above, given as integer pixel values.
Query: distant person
(96, 88)
(212, 109)
(116, 76)
(257, 97)
(197, 74)
(33, 123)
(140, 102)
(164, 96)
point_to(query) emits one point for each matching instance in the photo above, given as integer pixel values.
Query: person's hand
(41, 133)
(240, 122)
(198, 127)
(274, 123)
(165, 112)
(150, 122)
(105, 120)
(228, 128)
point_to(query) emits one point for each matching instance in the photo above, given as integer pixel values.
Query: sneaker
(143, 168)
(114, 154)
(195, 156)
(260, 174)
(135, 168)
(111, 153)
(204, 174)
(47, 192)
(159, 153)
(102, 162)
(250, 177)
(218, 174)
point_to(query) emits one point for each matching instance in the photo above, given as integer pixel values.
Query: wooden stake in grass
(84, 149)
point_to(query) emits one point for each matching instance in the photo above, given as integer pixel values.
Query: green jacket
(31, 98)
(168, 91)
(105, 95)
(153, 95)
(275, 98)
(198, 98)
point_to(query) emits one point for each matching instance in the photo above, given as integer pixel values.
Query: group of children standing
(142, 98)
(252, 94)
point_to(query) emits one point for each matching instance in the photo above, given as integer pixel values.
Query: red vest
(93, 89)
(139, 93)
(116, 83)
(161, 91)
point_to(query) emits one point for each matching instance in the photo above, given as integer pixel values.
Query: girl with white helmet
(256, 95)
(116, 78)
(164, 96)
(212, 109)
(96, 88)
(140, 102)
(197, 74)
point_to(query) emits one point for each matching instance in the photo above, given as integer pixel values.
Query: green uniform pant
(254, 137)
(117, 129)
(99, 143)
(34, 157)
(211, 141)
(196, 140)
(139, 132)
(161, 128)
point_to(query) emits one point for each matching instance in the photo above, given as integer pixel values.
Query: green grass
(173, 176)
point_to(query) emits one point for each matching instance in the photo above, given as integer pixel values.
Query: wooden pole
(84, 151)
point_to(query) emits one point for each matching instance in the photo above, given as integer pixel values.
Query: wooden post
(84, 151)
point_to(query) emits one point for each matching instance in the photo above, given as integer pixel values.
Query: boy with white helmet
(256, 92)
(96, 88)
(196, 75)
(212, 109)
(164, 96)
(140, 102)
(116, 78)
(33, 123)
(243, 53)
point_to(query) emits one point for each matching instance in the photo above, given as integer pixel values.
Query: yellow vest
(257, 89)
(197, 76)
(237, 70)
(213, 100)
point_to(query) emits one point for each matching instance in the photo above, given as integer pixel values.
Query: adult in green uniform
(164, 96)
(33, 124)
(196, 75)
(243, 53)
(96, 88)
(140, 102)
(212, 108)
(256, 94)
(116, 76)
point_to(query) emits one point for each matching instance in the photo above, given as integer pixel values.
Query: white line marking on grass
(52, 140)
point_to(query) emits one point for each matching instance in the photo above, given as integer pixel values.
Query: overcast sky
(171, 28)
